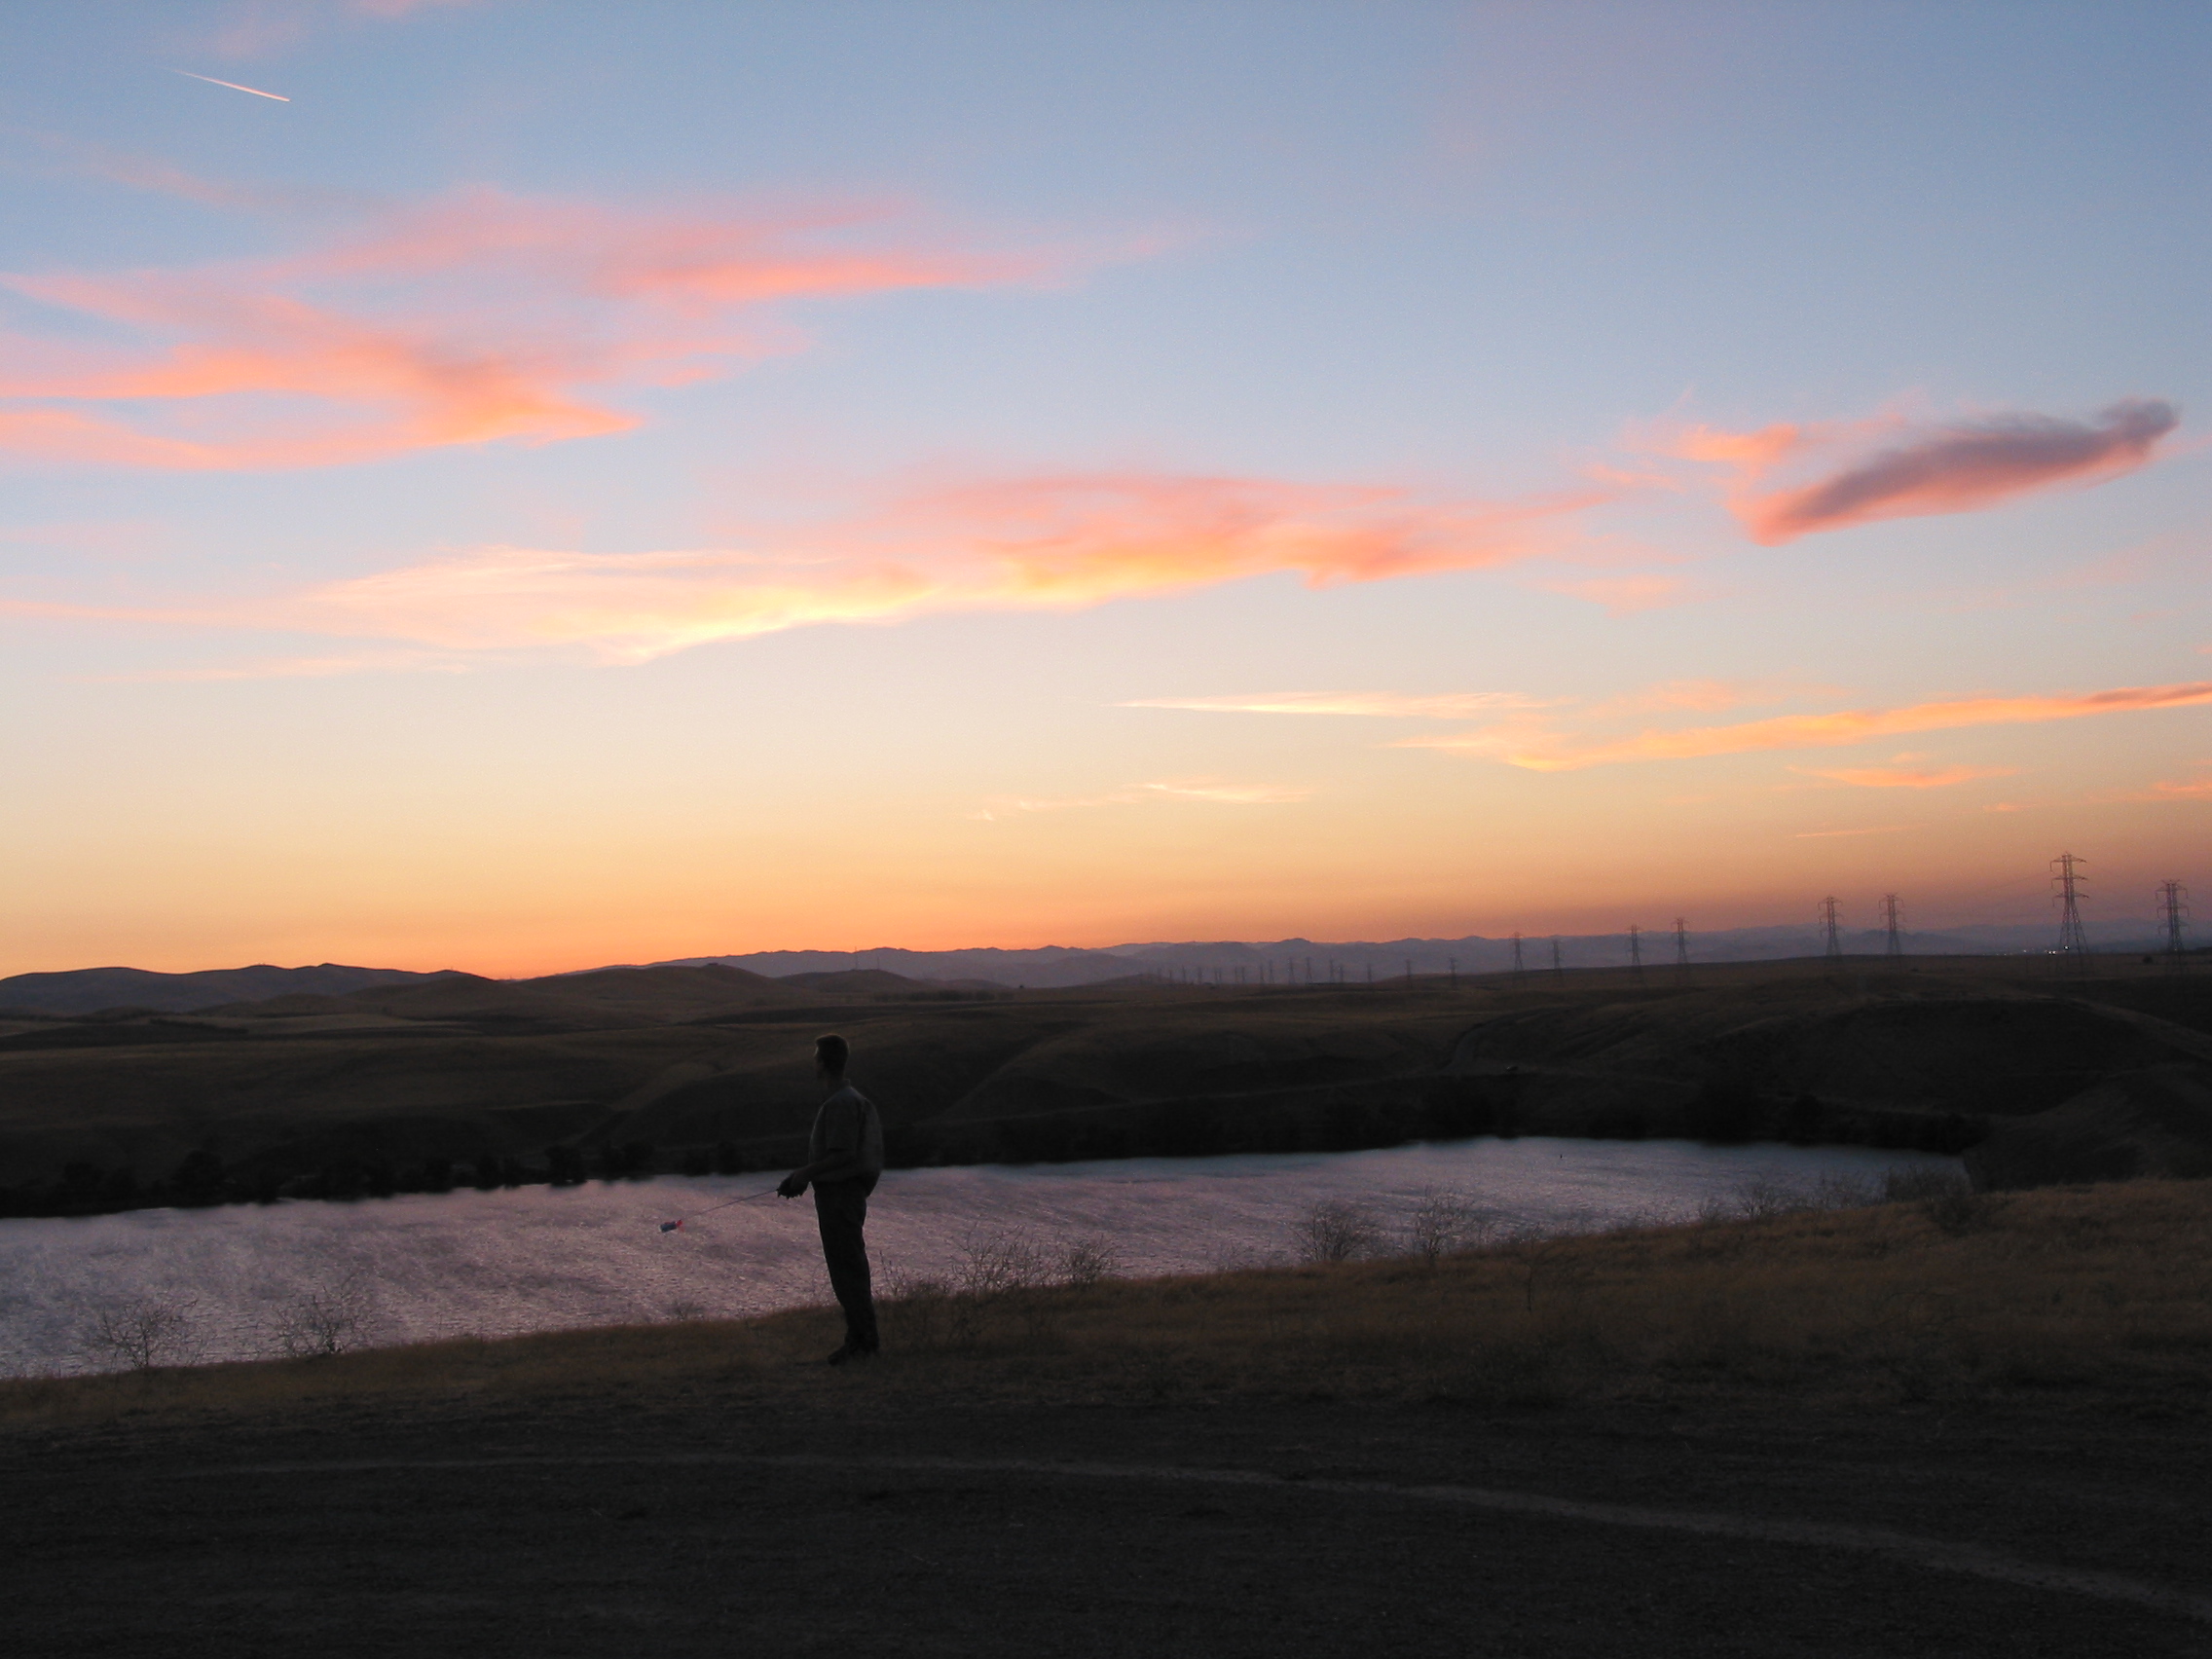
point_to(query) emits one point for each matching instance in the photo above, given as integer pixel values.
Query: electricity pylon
(1558, 968)
(2072, 942)
(1832, 946)
(2173, 905)
(1635, 950)
(1682, 948)
(1894, 945)
(1519, 968)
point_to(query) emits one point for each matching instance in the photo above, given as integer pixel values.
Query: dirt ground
(850, 1521)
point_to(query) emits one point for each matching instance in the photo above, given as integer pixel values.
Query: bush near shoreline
(2094, 1297)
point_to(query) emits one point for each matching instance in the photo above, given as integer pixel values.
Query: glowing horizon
(547, 488)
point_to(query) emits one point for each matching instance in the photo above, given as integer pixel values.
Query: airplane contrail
(234, 86)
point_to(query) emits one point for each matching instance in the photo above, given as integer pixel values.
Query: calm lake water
(538, 1258)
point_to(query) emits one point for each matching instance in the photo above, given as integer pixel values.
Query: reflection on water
(538, 1258)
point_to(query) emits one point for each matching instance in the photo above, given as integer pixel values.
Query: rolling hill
(630, 1069)
(89, 990)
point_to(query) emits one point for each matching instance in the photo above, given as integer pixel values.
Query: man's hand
(792, 1185)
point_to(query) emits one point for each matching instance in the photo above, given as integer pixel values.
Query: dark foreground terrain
(687, 1527)
(1905, 1430)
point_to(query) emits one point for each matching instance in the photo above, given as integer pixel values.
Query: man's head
(830, 1055)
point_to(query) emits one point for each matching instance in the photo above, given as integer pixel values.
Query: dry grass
(2101, 1295)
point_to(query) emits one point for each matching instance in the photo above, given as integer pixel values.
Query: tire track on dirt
(1932, 1554)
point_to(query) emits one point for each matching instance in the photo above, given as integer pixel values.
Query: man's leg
(840, 1211)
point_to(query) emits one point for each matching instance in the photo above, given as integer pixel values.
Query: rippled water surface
(538, 1258)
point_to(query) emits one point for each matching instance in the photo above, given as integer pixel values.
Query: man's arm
(839, 1164)
(840, 1159)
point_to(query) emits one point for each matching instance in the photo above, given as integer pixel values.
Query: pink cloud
(1057, 543)
(479, 319)
(1949, 469)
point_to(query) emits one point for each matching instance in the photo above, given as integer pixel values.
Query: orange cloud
(1951, 469)
(1906, 777)
(1035, 544)
(1543, 750)
(478, 319)
(2178, 789)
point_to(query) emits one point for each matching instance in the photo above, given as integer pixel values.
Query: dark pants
(840, 1210)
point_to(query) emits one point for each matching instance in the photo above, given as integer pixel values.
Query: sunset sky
(516, 486)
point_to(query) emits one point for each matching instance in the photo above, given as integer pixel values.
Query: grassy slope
(2098, 1298)
(691, 1056)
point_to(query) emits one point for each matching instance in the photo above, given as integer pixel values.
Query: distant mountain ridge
(1062, 966)
(89, 990)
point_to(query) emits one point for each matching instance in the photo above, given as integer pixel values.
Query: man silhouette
(844, 1156)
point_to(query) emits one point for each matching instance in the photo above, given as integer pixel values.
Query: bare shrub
(1764, 1199)
(142, 1334)
(1846, 1191)
(1085, 1261)
(1758, 1199)
(925, 1313)
(1549, 1263)
(1003, 1271)
(1444, 1223)
(993, 1264)
(327, 1320)
(1336, 1229)
(1945, 1197)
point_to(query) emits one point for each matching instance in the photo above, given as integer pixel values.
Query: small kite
(677, 1226)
